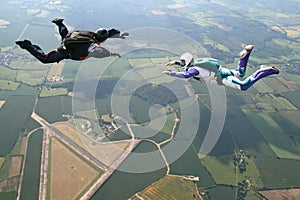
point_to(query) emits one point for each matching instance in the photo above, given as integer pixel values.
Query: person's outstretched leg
(242, 65)
(63, 30)
(235, 82)
(36, 51)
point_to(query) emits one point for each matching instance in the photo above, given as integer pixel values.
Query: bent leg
(234, 82)
(242, 65)
(51, 57)
(63, 30)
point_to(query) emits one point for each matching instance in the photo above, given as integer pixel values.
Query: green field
(23, 106)
(273, 134)
(221, 168)
(31, 180)
(2, 159)
(190, 164)
(276, 85)
(272, 103)
(53, 92)
(262, 87)
(170, 187)
(32, 77)
(138, 181)
(52, 108)
(251, 173)
(278, 173)
(220, 192)
(8, 85)
(7, 73)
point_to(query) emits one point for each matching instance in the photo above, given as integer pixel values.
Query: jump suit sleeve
(96, 51)
(187, 74)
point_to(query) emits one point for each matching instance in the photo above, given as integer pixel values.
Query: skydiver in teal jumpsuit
(203, 67)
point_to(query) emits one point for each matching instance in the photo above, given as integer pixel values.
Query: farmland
(262, 122)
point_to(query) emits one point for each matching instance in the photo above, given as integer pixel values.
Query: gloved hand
(167, 72)
(115, 54)
(170, 63)
(124, 35)
(112, 32)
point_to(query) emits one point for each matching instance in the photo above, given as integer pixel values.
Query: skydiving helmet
(187, 58)
(101, 35)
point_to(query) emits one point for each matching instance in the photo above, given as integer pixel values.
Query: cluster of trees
(243, 188)
(156, 94)
(219, 54)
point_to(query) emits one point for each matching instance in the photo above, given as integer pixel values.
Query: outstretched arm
(114, 33)
(187, 74)
(174, 62)
(96, 51)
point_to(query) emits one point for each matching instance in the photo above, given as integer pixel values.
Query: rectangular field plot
(221, 168)
(272, 103)
(150, 72)
(53, 92)
(136, 62)
(159, 60)
(8, 85)
(171, 187)
(273, 134)
(276, 85)
(279, 173)
(32, 77)
(291, 85)
(70, 173)
(56, 69)
(7, 73)
(262, 87)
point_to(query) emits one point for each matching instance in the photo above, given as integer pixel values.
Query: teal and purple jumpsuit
(203, 67)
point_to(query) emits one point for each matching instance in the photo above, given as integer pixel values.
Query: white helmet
(188, 58)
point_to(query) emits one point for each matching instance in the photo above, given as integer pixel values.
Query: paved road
(49, 131)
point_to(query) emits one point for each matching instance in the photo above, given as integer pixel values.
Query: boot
(57, 21)
(23, 44)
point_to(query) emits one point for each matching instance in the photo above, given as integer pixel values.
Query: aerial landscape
(117, 128)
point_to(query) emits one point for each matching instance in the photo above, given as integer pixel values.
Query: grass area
(276, 85)
(26, 90)
(220, 192)
(189, 164)
(221, 168)
(71, 132)
(251, 173)
(294, 97)
(56, 69)
(8, 195)
(292, 116)
(52, 108)
(137, 62)
(151, 71)
(2, 159)
(171, 187)
(262, 87)
(276, 138)
(159, 60)
(105, 153)
(272, 103)
(31, 179)
(291, 85)
(17, 147)
(91, 114)
(278, 173)
(32, 77)
(14, 115)
(70, 173)
(46, 92)
(8, 85)
(7, 73)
